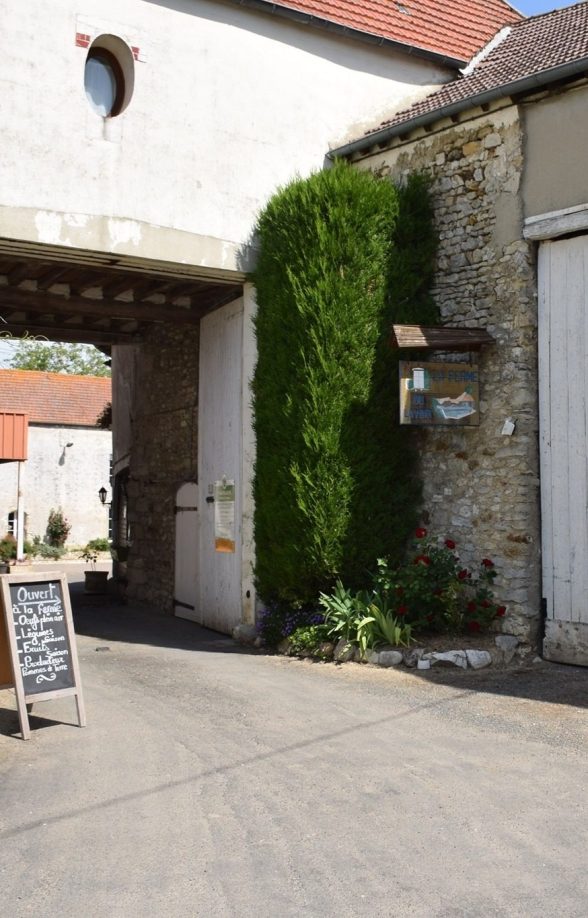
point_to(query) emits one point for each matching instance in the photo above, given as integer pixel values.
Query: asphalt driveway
(216, 782)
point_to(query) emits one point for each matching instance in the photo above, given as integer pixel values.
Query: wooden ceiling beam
(87, 282)
(218, 297)
(47, 278)
(19, 273)
(53, 304)
(73, 335)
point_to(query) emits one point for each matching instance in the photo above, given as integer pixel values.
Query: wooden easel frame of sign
(37, 643)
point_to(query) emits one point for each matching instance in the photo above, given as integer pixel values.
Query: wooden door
(219, 459)
(563, 409)
(187, 556)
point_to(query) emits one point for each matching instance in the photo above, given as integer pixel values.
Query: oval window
(104, 83)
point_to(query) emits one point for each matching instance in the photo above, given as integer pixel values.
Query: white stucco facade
(57, 475)
(227, 104)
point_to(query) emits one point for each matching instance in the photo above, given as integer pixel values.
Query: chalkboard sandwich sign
(38, 654)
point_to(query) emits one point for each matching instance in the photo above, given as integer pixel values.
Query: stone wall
(481, 487)
(164, 426)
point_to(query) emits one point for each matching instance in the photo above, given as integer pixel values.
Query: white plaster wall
(56, 476)
(555, 163)
(228, 104)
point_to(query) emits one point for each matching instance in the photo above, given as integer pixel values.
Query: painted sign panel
(42, 641)
(38, 625)
(224, 516)
(433, 394)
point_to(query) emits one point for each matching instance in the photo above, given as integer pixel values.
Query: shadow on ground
(110, 620)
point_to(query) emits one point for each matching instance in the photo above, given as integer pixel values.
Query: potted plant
(94, 581)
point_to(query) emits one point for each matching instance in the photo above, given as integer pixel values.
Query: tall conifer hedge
(334, 479)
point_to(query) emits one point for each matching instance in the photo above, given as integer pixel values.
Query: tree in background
(77, 359)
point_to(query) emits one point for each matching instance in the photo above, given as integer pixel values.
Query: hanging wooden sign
(37, 642)
(432, 394)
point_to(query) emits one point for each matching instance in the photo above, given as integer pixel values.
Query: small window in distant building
(104, 82)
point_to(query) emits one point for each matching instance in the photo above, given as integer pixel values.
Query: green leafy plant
(7, 548)
(51, 552)
(432, 591)
(342, 612)
(334, 484)
(308, 641)
(380, 627)
(58, 528)
(280, 620)
(100, 544)
(89, 555)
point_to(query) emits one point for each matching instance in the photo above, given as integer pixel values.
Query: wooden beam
(114, 288)
(215, 298)
(439, 337)
(73, 335)
(86, 281)
(53, 304)
(20, 272)
(47, 278)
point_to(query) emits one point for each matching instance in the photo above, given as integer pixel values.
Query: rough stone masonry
(480, 486)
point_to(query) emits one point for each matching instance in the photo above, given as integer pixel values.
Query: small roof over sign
(439, 338)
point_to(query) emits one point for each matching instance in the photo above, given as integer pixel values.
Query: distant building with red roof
(68, 455)
(55, 398)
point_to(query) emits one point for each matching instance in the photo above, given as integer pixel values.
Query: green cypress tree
(334, 482)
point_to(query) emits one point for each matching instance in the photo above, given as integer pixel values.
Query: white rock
(507, 645)
(453, 657)
(478, 659)
(423, 664)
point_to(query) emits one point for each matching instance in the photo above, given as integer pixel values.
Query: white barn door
(220, 459)
(563, 411)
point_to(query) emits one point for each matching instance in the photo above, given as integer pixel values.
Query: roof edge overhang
(437, 57)
(381, 138)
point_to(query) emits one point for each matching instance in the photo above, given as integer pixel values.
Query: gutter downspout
(536, 81)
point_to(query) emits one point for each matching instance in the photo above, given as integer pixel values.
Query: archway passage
(147, 315)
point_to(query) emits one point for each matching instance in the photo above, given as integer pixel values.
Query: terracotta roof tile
(454, 28)
(527, 49)
(54, 398)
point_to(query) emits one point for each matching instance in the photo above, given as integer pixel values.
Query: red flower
(485, 604)
(463, 575)
(422, 559)
(420, 533)
(474, 625)
(486, 562)
(402, 610)
(449, 543)
(429, 618)
(501, 611)
(472, 606)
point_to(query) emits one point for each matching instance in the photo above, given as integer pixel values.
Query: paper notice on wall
(224, 516)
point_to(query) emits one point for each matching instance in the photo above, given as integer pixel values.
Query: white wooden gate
(187, 561)
(563, 410)
(219, 457)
